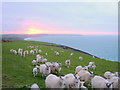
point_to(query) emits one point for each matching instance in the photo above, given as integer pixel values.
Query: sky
(90, 18)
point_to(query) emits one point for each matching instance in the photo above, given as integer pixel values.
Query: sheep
(44, 60)
(91, 63)
(31, 51)
(115, 81)
(44, 69)
(78, 68)
(67, 63)
(48, 64)
(72, 54)
(92, 67)
(100, 82)
(11, 50)
(25, 53)
(57, 53)
(108, 74)
(93, 56)
(53, 81)
(55, 67)
(82, 87)
(36, 50)
(40, 51)
(52, 67)
(38, 55)
(72, 81)
(85, 75)
(34, 62)
(39, 59)
(30, 46)
(116, 74)
(46, 54)
(81, 58)
(85, 68)
(35, 87)
(20, 51)
(35, 71)
(15, 52)
(58, 67)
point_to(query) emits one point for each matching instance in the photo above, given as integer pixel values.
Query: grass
(17, 70)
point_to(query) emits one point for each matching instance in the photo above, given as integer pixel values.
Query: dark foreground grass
(17, 70)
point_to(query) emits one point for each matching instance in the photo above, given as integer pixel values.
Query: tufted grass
(17, 70)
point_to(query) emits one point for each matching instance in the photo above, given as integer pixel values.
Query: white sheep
(31, 51)
(52, 67)
(72, 54)
(82, 87)
(72, 81)
(39, 59)
(57, 53)
(85, 75)
(115, 81)
(53, 81)
(11, 50)
(85, 68)
(44, 69)
(100, 82)
(116, 74)
(81, 58)
(20, 51)
(57, 67)
(35, 87)
(91, 63)
(35, 71)
(46, 53)
(40, 51)
(25, 53)
(36, 50)
(38, 55)
(78, 68)
(15, 52)
(34, 62)
(48, 64)
(107, 74)
(67, 63)
(44, 60)
(92, 67)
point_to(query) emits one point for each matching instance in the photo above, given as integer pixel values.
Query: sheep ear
(80, 77)
(75, 76)
(61, 78)
(112, 82)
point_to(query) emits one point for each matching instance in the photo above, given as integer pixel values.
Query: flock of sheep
(82, 74)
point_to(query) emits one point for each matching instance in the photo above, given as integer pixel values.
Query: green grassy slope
(17, 70)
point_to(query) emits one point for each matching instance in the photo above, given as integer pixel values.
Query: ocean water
(102, 46)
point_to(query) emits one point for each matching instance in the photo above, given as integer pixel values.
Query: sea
(102, 46)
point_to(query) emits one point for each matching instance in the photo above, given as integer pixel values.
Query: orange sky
(38, 31)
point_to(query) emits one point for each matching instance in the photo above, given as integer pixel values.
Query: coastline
(68, 47)
(28, 37)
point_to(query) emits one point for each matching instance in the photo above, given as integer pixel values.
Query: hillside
(17, 70)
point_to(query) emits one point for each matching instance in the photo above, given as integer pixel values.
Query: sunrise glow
(34, 31)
